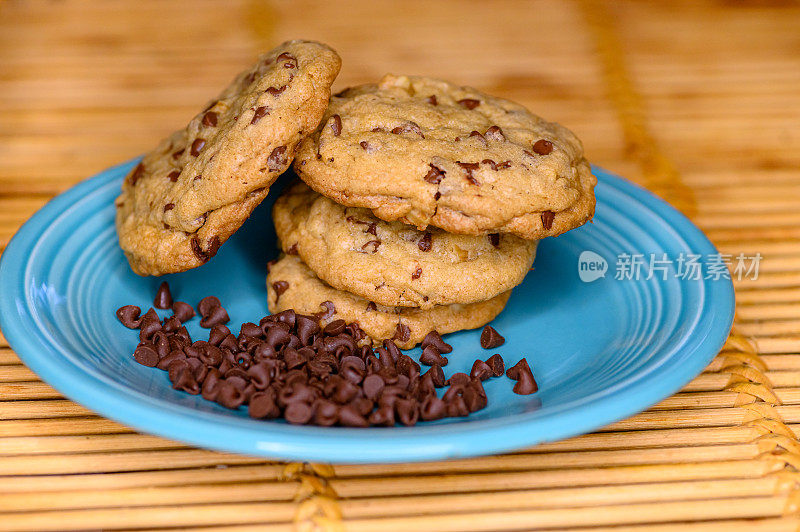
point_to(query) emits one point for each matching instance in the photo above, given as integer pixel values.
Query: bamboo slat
(697, 101)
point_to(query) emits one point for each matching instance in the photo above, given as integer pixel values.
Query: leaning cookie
(427, 152)
(186, 197)
(391, 263)
(292, 285)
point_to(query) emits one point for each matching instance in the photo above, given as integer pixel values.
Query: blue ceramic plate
(601, 348)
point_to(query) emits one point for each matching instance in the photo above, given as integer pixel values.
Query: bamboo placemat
(698, 101)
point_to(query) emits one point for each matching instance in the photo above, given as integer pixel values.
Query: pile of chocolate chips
(288, 366)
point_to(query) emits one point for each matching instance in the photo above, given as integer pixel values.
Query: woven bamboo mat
(698, 101)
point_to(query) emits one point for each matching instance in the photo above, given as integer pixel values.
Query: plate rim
(329, 444)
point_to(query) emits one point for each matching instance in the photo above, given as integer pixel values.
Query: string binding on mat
(317, 501)
(776, 442)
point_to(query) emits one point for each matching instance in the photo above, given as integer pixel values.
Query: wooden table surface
(700, 101)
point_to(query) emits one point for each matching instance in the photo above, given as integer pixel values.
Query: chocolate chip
(335, 328)
(521, 373)
(258, 114)
(211, 355)
(287, 317)
(167, 360)
(197, 146)
(326, 413)
(207, 304)
(185, 381)
(490, 338)
(547, 219)
(306, 328)
(458, 379)
(402, 333)
(417, 274)
(383, 416)
(229, 395)
(495, 133)
(275, 91)
(183, 311)
(435, 339)
(146, 356)
(336, 125)
(329, 311)
(205, 256)
(210, 119)
(469, 168)
(137, 173)
(432, 408)
(277, 159)
(407, 411)
(457, 407)
(393, 350)
(292, 249)
(128, 315)
(350, 417)
(291, 60)
(497, 365)
(491, 163)
(481, 370)
(372, 306)
(409, 127)
(150, 324)
(373, 244)
(298, 413)
(373, 386)
(543, 147)
(251, 330)
(469, 103)
(163, 299)
(366, 146)
(262, 405)
(216, 316)
(169, 207)
(436, 375)
(494, 238)
(280, 287)
(424, 243)
(434, 175)
(431, 356)
(473, 398)
(173, 176)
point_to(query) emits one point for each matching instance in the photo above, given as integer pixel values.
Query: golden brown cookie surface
(196, 188)
(292, 285)
(391, 263)
(427, 152)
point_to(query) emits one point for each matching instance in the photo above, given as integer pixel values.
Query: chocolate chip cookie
(427, 152)
(391, 263)
(292, 285)
(186, 197)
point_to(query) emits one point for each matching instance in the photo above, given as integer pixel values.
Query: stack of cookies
(421, 206)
